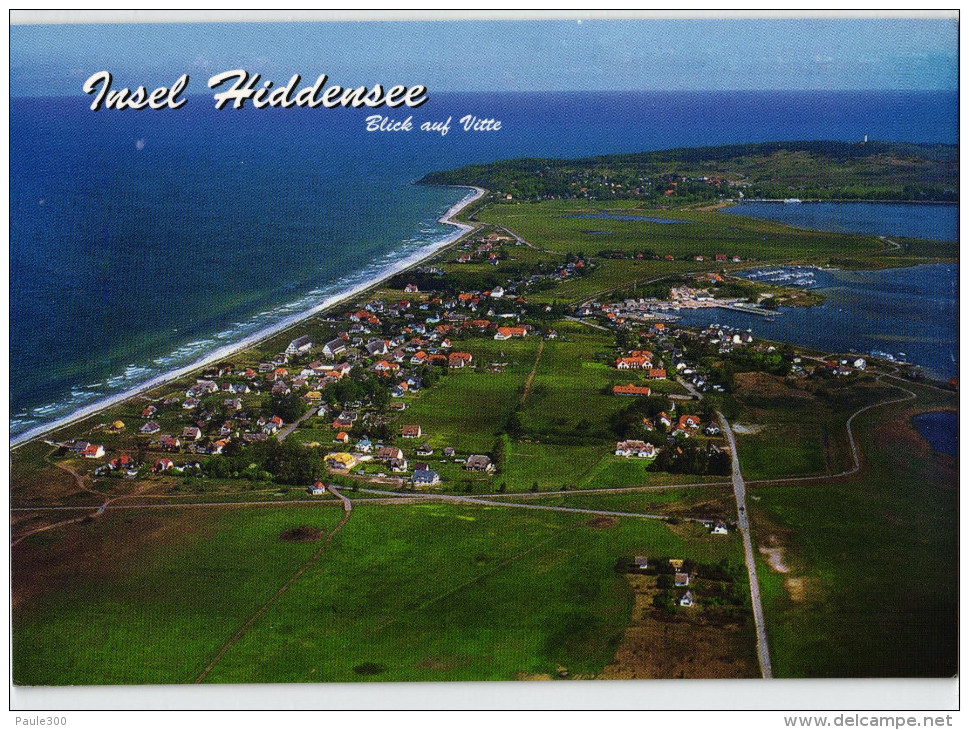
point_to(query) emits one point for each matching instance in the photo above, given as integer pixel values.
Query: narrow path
(291, 502)
(62, 523)
(520, 505)
(74, 520)
(347, 511)
(763, 653)
(531, 375)
(286, 431)
(856, 461)
(78, 479)
(689, 386)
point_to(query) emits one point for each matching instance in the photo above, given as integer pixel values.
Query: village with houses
(343, 392)
(522, 388)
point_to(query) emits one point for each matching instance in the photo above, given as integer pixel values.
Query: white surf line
(267, 332)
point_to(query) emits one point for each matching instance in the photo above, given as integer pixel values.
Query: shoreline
(415, 259)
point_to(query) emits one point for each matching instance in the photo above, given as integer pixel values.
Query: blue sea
(142, 239)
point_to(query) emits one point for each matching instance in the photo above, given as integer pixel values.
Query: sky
(522, 55)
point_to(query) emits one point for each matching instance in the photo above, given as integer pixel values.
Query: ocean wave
(90, 398)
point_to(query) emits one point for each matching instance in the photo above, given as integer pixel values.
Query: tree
(516, 424)
(499, 452)
(288, 407)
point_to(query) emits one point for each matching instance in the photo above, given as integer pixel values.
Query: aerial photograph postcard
(463, 349)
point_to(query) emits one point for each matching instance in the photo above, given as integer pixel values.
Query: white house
(639, 449)
(334, 347)
(299, 345)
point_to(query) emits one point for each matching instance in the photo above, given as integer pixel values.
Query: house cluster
(683, 427)
(483, 249)
(845, 366)
(637, 449)
(85, 449)
(681, 579)
(419, 472)
(642, 360)
(728, 338)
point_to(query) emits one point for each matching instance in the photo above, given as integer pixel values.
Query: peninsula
(509, 459)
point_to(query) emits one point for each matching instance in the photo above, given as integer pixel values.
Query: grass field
(706, 501)
(549, 225)
(867, 557)
(789, 429)
(410, 592)
(405, 592)
(566, 391)
(147, 597)
(467, 408)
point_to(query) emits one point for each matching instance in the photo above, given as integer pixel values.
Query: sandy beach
(415, 259)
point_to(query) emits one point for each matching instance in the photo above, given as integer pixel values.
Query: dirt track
(347, 511)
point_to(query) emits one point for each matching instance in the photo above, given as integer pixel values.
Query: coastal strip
(417, 258)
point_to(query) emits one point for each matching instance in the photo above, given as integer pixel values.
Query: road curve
(856, 461)
(743, 525)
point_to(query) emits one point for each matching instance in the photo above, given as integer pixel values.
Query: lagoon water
(940, 429)
(912, 311)
(140, 240)
(939, 222)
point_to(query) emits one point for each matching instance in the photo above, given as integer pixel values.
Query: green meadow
(871, 559)
(403, 593)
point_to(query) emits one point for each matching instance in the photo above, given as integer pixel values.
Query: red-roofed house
(634, 390)
(506, 333)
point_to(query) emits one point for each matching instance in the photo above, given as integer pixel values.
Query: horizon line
(195, 94)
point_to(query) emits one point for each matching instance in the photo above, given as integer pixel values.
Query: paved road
(763, 653)
(689, 386)
(287, 430)
(347, 504)
(316, 500)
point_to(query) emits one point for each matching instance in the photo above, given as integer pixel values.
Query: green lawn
(467, 408)
(552, 466)
(566, 399)
(404, 593)
(878, 557)
(712, 500)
